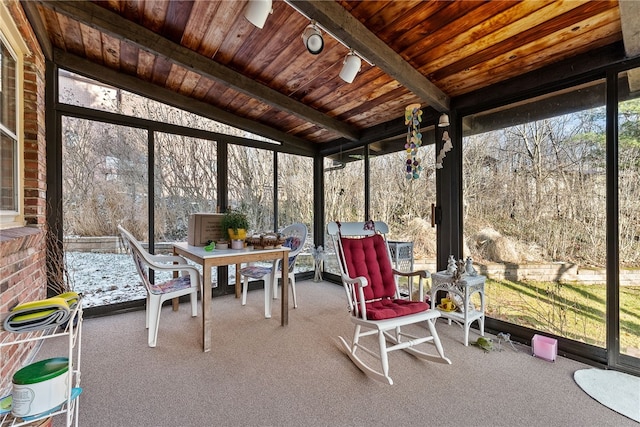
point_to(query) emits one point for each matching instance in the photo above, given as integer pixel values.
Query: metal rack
(401, 255)
(402, 260)
(73, 333)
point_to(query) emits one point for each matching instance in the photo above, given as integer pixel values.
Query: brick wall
(23, 250)
(22, 278)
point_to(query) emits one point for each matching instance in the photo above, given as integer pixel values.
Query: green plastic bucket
(40, 386)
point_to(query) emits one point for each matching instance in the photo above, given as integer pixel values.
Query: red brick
(23, 251)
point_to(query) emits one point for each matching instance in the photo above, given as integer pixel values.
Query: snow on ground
(104, 278)
(108, 278)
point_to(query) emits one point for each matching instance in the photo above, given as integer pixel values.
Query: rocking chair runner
(371, 285)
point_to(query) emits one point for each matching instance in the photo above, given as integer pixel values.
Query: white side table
(465, 287)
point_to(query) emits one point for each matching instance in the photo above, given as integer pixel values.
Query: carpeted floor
(262, 374)
(616, 390)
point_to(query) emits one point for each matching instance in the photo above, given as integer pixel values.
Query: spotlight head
(351, 67)
(444, 120)
(258, 11)
(312, 39)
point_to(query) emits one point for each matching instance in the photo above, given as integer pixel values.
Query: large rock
(495, 247)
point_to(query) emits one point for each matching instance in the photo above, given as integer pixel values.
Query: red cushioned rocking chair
(375, 305)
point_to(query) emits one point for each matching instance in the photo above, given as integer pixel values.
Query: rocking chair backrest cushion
(369, 257)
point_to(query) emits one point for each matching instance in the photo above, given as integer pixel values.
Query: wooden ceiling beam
(135, 85)
(629, 13)
(33, 16)
(570, 71)
(335, 19)
(113, 24)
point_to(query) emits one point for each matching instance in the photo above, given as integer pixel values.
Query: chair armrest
(194, 273)
(175, 259)
(174, 263)
(355, 294)
(173, 267)
(361, 281)
(421, 273)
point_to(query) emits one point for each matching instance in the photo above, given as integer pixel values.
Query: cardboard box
(544, 347)
(204, 227)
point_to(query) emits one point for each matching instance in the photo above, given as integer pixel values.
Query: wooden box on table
(205, 227)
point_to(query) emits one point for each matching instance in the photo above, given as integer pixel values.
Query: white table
(465, 287)
(220, 257)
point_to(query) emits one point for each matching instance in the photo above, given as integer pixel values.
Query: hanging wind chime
(412, 118)
(446, 139)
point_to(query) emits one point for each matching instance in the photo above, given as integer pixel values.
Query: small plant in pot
(236, 223)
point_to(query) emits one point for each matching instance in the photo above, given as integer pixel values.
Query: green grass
(573, 311)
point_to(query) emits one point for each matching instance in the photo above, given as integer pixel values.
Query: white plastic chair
(375, 305)
(295, 236)
(187, 284)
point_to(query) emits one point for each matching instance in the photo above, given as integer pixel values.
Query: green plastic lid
(41, 371)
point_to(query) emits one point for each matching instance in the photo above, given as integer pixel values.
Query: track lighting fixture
(314, 42)
(350, 67)
(312, 39)
(258, 11)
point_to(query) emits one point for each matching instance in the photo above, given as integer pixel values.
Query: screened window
(295, 201)
(534, 177)
(343, 194)
(628, 319)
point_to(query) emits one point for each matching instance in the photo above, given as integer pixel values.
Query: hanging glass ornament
(412, 118)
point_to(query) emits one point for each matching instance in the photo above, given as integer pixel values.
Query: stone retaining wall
(547, 272)
(557, 272)
(104, 244)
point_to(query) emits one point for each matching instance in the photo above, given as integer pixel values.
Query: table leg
(175, 302)
(284, 310)
(206, 307)
(466, 329)
(466, 316)
(238, 281)
(268, 286)
(481, 320)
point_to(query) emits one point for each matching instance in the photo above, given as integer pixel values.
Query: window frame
(11, 38)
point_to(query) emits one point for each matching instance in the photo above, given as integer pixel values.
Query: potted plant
(236, 223)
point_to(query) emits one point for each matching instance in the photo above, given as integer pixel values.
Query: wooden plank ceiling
(212, 60)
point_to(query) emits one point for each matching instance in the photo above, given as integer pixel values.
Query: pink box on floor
(544, 347)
